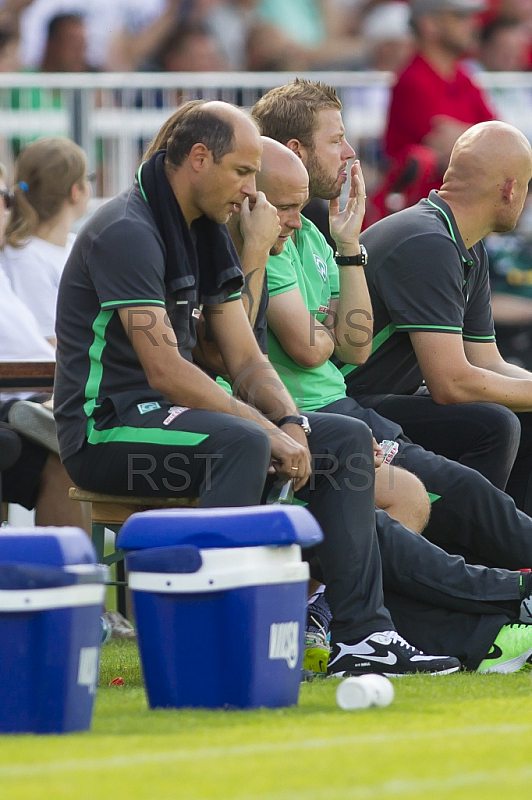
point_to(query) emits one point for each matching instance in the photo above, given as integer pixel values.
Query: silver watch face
(364, 254)
(305, 424)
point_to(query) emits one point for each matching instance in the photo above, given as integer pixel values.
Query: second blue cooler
(219, 597)
(51, 598)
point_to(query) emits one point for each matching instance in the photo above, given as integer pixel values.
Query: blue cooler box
(219, 597)
(51, 599)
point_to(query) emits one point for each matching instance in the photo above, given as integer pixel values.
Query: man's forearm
(253, 263)
(511, 371)
(188, 386)
(354, 323)
(482, 385)
(258, 384)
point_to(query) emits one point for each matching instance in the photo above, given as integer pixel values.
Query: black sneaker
(385, 653)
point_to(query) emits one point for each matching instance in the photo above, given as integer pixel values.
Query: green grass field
(460, 736)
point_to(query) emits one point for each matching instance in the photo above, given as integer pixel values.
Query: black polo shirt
(118, 261)
(421, 277)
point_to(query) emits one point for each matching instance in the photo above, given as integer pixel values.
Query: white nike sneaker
(385, 653)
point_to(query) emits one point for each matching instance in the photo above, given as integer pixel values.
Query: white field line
(411, 786)
(245, 751)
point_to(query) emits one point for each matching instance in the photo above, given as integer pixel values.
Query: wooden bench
(29, 376)
(111, 511)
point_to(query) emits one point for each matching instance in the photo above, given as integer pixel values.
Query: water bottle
(282, 493)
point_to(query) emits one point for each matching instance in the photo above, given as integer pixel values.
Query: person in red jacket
(433, 102)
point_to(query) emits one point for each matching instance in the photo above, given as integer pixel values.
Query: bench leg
(98, 540)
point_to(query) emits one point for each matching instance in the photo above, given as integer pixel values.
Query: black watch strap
(299, 419)
(291, 419)
(359, 260)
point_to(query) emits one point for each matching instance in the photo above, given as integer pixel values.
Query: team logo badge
(144, 408)
(321, 265)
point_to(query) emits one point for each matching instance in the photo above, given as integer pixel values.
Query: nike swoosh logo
(495, 652)
(391, 658)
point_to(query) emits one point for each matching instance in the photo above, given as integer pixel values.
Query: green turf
(459, 736)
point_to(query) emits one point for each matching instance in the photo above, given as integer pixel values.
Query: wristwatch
(353, 261)
(296, 420)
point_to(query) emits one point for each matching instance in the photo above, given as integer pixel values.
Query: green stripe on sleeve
(479, 338)
(428, 328)
(285, 288)
(142, 301)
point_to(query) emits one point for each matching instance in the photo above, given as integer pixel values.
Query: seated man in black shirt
(428, 278)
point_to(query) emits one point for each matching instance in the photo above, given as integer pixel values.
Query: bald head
(284, 181)
(489, 171)
(279, 165)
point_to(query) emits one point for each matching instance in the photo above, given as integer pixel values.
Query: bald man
(428, 280)
(298, 342)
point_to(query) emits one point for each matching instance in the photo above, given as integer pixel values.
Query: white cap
(387, 21)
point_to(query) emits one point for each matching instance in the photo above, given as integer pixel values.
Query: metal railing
(113, 116)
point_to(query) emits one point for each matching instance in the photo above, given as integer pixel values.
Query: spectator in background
(432, 103)
(190, 48)
(104, 20)
(317, 32)
(231, 22)
(9, 49)
(504, 45)
(51, 193)
(66, 45)
(37, 479)
(387, 34)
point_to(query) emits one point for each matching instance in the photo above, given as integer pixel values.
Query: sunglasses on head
(7, 197)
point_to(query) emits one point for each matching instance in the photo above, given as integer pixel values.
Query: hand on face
(259, 223)
(345, 225)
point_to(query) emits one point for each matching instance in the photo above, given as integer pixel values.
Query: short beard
(277, 249)
(320, 183)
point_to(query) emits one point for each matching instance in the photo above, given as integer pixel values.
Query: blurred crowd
(215, 35)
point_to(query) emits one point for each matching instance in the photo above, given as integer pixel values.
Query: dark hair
(56, 22)
(489, 31)
(290, 111)
(193, 123)
(7, 35)
(176, 39)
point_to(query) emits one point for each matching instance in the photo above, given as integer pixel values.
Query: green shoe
(510, 650)
(316, 653)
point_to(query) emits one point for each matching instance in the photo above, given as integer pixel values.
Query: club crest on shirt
(144, 408)
(321, 265)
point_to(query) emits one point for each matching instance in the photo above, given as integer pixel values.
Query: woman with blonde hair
(51, 192)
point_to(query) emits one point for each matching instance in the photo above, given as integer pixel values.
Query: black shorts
(21, 482)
